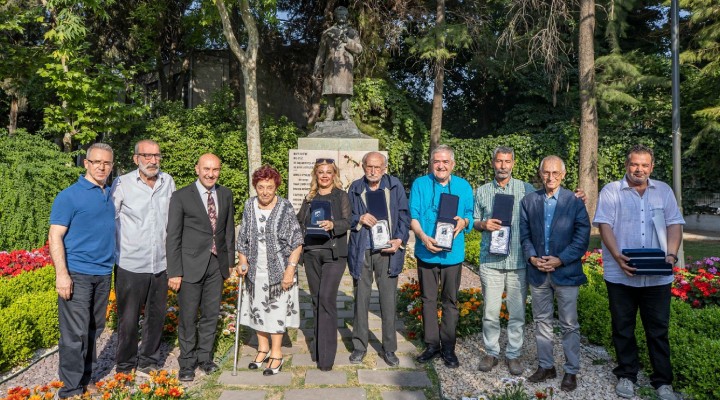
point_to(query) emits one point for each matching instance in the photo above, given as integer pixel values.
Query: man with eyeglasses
(436, 265)
(141, 199)
(82, 247)
(554, 234)
(366, 261)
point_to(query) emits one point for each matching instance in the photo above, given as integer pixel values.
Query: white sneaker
(625, 388)
(665, 392)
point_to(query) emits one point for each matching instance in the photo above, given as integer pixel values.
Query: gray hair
(441, 148)
(99, 146)
(562, 163)
(148, 141)
(384, 158)
(503, 150)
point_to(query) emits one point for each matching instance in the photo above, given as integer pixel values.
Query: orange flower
(176, 392)
(35, 397)
(49, 395)
(56, 384)
(160, 392)
(439, 313)
(106, 395)
(112, 295)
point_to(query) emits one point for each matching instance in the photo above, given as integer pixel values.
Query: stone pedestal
(341, 141)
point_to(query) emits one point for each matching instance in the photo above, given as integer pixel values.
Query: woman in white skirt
(269, 246)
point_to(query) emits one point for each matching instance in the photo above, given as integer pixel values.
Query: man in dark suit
(200, 251)
(554, 234)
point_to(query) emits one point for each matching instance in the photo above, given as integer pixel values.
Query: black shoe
(148, 369)
(186, 374)
(256, 364)
(357, 356)
(325, 369)
(542, 374)
(390, 358)
(273, 371)
(427, 355)
(569, 382)
(208, 367)
(451, 360)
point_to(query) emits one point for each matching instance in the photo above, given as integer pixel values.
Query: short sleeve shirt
(484, 201)
(631, 218)
(88, 212)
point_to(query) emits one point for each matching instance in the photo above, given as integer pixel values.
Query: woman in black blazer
(325, 255)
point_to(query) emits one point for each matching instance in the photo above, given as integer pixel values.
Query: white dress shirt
(141, 215)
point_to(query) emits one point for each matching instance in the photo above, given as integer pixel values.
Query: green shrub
(44, 312)
(472, 247)
(40, 280)
(17, 334)
(32, 172)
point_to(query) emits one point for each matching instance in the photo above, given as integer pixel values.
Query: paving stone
(308, 314)
(317, 377)
(403, 395)
(346, 314)
(326, 393)
(407, 347)
(377, 336)
(255, 378)
(374, 307)
(345, 332)
(406, 361)
(375, 300)
(340, 305)
(341, 322)
(306, 306)
(305, 359)
(242, 395)
(393, 378)
(374, 316)
(374, 324)
(342, 297)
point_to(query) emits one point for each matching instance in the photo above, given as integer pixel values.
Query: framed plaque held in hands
(320, 210)
(502, 210)
(445, 225)
(648, 261)
(378, 208)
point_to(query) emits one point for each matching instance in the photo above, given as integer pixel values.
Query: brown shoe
(514, 366)
(569, 382)
(542, 374)
(487, 363)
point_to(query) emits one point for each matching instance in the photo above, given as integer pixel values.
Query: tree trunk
(437, 106)
(588, 173)
(14, 109)
(248, 62)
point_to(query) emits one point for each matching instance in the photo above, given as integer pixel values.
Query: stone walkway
(300, 379)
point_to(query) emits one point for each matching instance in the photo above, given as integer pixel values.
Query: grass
(694, 249)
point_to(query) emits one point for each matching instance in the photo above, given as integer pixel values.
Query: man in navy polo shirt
(82, 247)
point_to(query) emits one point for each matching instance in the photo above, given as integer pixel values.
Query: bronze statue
(335, 60)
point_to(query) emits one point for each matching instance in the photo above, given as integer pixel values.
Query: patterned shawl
(282, 236)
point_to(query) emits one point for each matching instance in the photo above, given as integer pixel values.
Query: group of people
(184, 240)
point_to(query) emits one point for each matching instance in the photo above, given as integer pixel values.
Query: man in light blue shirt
(434, 264)
(626, 215)
(141, 199)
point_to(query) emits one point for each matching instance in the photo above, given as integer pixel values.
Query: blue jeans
(542, 304)
(494, 283)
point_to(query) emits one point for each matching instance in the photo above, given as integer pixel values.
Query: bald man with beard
(200, 243)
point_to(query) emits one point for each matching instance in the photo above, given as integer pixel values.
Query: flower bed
(18, 261)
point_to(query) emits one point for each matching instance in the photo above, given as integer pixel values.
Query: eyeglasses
(148, 156)
(554, 174)
(97, 163)
(324, 160)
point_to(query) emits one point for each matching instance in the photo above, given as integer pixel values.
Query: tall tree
(248, 64)
(588, 163)
(439, 69)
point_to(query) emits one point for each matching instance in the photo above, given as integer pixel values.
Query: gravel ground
(46, 369)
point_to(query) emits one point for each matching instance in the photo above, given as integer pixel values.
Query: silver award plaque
(380, 234)
(317, 215)
(500, 241)
(444, 234)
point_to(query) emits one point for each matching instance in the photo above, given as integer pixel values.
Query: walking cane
(237, 321)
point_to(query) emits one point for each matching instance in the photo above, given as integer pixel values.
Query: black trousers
(81, 320)
(431, 277)
(196, 343)
(654, 305)
(376, 265)
(324, 274)
(135, 291)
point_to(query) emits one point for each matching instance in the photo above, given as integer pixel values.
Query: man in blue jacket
(554, 234)
(384, 265)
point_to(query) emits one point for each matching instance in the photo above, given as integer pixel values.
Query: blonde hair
(313, 182)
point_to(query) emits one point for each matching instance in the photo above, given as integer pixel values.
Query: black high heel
(256, 364)
(273, 371)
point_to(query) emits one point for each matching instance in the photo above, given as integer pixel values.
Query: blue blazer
(569, 236)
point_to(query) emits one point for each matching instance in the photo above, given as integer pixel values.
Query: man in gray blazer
(554, 234)
(200, 251)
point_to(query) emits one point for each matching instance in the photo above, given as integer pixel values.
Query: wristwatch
(673, 256)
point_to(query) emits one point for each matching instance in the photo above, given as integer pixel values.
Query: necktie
(212, 213)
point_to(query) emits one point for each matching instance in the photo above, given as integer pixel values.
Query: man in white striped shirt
(142, 199)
